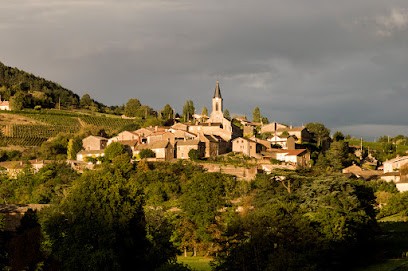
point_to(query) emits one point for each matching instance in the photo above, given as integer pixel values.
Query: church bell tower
(217, 114)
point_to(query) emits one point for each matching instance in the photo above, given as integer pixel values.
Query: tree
(265, 120)
(188, 110)
(256, 115)
(194, 154)
(227, 114)
(331, 216)
(204, 112)
(147, 153)
(338, 156)
(85, 101)
(100, 225)
(275, 237)
(338, 136)
(167, 112)
(17, 101)
(319, 131)
(55, 149)
(203, 196)
(74, 146)
(132, 107)
(114, 150)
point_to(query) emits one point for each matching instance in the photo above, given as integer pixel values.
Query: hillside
(31, 128)
(34, 90)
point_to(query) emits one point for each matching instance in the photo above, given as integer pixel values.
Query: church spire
(217, 92)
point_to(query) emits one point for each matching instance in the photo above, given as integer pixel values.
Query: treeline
(25, 90)
(124, 216)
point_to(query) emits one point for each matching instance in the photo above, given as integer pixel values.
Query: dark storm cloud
(343, 63)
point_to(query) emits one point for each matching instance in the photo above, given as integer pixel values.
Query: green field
(377, 146)
(196, 263)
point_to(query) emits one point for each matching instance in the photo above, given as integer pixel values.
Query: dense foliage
(123, 215)
(30, 90)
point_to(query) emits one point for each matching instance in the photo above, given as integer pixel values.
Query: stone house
(125, 136)
(247, 147)
(163, 149)
(13, 168)
(179, 126)
(395, 164)
(301, 133)
(171, 136)
(288, 142)
(5, 105)
(263, 142)
(366, 174)
(183, 147)
(94, 143)
(272, 127)
(297, 157)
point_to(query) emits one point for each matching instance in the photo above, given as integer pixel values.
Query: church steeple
(217, 115)
(217, 91)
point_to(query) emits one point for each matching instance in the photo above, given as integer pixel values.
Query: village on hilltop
(207, 138)
(210, 137)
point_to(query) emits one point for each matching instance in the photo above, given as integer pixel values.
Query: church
(217, 124)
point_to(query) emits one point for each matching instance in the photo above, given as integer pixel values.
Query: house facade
(273, 127)
(288, 142)
(247, 147)
(395, 164)
(5, 105)
(94, 143)
(163, 149)
(183, 148)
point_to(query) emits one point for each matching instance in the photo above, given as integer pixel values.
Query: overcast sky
(343, 63)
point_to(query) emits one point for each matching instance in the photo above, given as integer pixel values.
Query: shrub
(147, 153)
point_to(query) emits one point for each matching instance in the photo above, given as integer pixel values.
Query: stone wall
(241, 173)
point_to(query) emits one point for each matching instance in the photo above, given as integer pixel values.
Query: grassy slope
(393, 243)
(196, 263)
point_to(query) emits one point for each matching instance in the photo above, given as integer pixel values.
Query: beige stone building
(183, 148)
(125, 136)
(5, 105)
(395, 164)
(297, 157)
(272, 127)
(163, 150)
(92, 143)
(247, 147)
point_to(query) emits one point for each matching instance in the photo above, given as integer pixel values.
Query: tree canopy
(188, 110)
(319, 131)
(256, 115)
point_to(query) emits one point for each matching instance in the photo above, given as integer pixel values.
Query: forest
(141, 215)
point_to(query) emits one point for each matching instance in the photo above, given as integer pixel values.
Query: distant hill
(30, 90)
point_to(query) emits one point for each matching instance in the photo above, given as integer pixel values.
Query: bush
(194, 154)
(147, 153)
